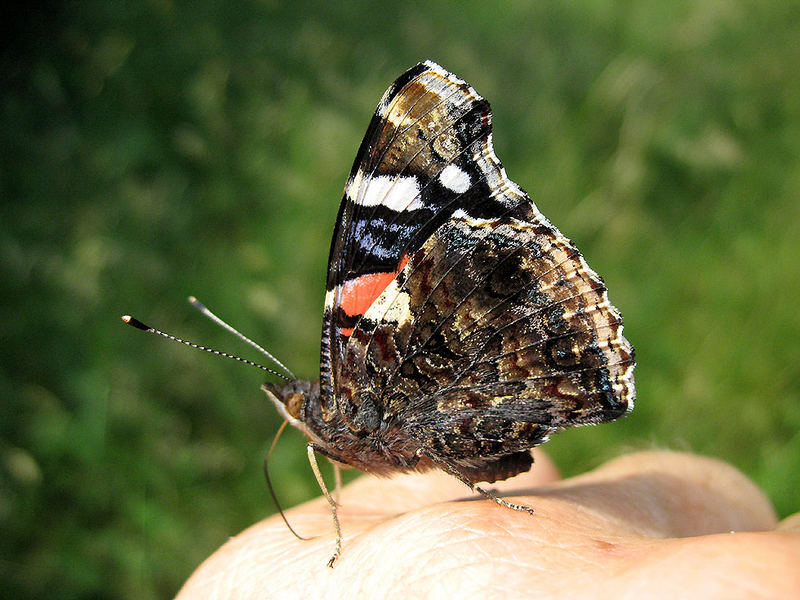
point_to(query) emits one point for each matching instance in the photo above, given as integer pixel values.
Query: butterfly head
(292, 398)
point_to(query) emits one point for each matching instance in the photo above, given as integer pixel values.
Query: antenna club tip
(197, 304)
(133, 322)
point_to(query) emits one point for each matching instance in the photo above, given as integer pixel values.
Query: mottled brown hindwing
(495, 334)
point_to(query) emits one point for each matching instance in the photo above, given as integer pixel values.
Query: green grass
(149, 151)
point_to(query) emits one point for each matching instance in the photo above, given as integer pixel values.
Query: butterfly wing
(426, 157)
(484, 351)
(456, 312)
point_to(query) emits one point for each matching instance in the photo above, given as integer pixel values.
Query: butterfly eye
(294, 404)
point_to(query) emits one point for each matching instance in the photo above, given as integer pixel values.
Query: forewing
(426, 158)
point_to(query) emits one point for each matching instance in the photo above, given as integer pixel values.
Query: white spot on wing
(354, 184)
(392, 305)
(454, 179)
(397, 193)
(331, 295)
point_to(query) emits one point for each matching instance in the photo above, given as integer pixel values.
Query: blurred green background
(152, 150)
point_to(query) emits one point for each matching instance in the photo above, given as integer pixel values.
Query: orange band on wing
(358, 294)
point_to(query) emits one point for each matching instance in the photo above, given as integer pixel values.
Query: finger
(666, 494)
(790, 524)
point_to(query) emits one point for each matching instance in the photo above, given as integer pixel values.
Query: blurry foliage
(151, 150)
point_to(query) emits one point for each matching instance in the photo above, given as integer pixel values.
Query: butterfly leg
(501, 501)
(312, 458)
(452, 470)
(337, 478)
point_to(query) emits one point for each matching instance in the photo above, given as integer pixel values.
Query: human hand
(646, 525)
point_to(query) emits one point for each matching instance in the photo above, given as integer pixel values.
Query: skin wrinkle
(662, 516)
(447, 564)
(458, 569)
(259, 553)
(651, 524)
(562, 540)
(479, 556)
(457, 536)
(424, 541)
(475, 570)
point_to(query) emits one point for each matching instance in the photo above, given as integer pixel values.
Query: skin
(648, 524)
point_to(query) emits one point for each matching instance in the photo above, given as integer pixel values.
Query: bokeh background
(152, 150)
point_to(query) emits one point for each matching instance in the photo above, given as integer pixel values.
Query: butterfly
(460, 328)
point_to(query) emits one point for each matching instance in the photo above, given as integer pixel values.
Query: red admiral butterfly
(461, 328)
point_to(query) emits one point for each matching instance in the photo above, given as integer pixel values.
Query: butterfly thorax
(364, 441)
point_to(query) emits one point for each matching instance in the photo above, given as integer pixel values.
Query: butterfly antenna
(202, 308)
(269, 482)
(139, 325)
